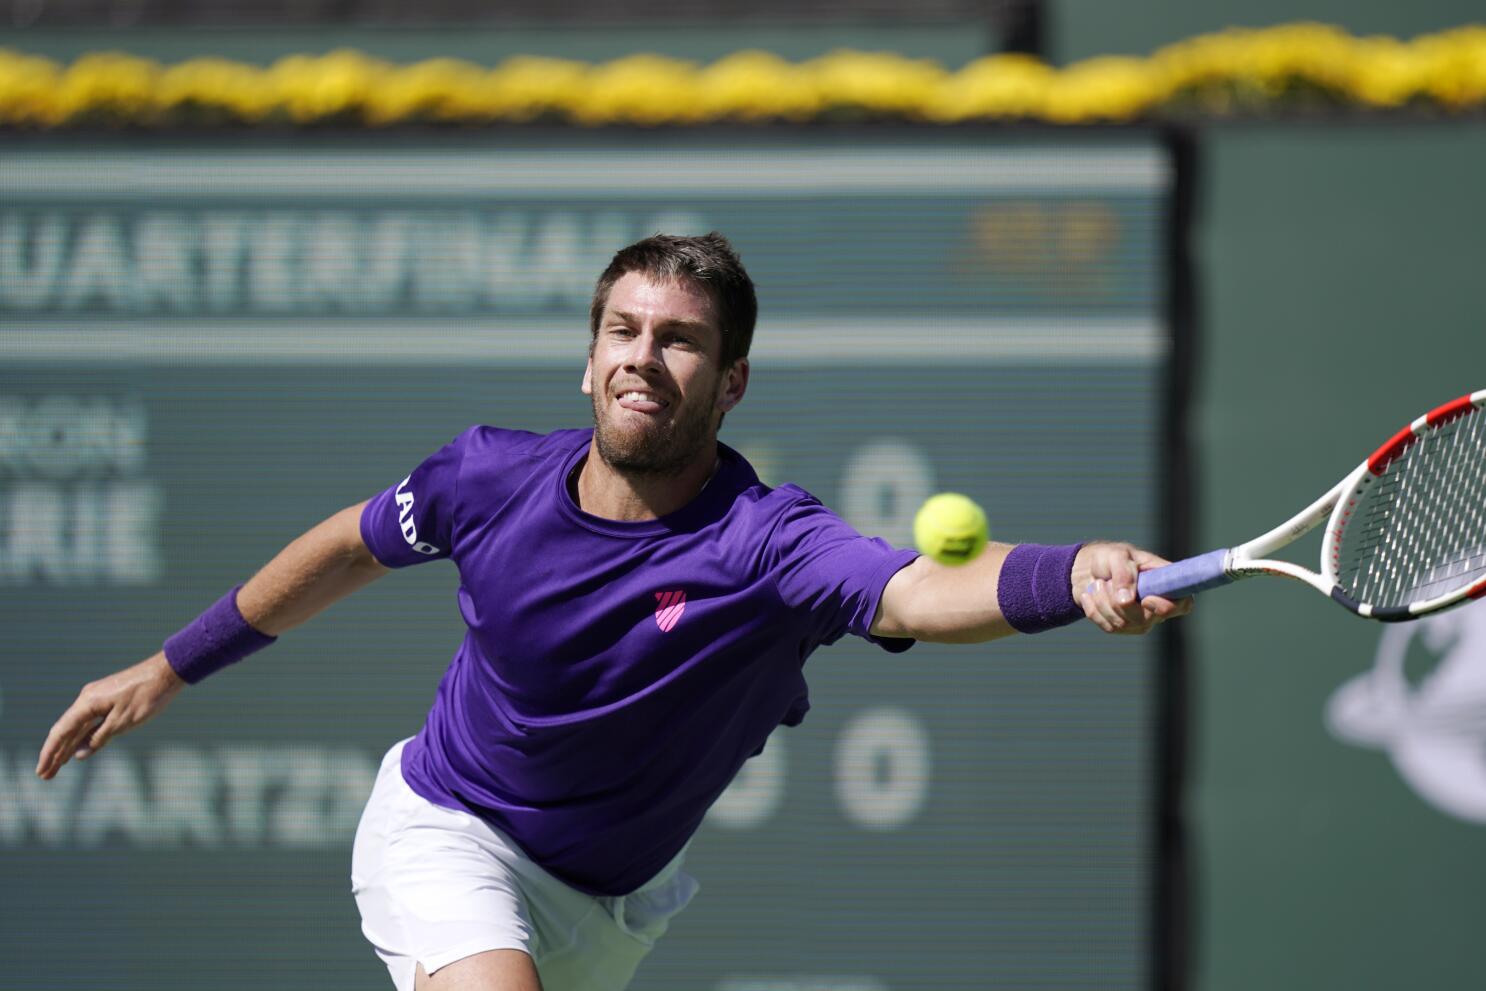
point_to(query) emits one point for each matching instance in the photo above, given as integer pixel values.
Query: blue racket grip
(1184, 578)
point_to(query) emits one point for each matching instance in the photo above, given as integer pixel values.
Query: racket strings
(1421, 531)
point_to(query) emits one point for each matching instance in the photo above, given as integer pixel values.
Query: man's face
(654, 376)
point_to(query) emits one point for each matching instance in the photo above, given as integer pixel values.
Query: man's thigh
(493, 970)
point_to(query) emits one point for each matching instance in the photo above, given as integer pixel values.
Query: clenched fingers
(1114, 609)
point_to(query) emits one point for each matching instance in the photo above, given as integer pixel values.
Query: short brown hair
(707, 262)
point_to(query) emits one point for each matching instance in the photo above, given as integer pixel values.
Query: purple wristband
(218, 637)
(1035, 589)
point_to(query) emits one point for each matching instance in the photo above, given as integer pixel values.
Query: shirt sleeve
(835, 574)
(413, 521)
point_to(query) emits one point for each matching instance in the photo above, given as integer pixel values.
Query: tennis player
(639, 609)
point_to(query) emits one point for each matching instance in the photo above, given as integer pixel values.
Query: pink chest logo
(668, 609)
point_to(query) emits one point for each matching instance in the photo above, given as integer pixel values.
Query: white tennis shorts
(436, 885)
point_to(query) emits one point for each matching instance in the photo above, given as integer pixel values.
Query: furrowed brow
(696, 325)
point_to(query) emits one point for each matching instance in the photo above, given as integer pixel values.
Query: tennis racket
(1405, 530)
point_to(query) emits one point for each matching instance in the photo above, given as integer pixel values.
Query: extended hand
(1104, 576)
(106, 708)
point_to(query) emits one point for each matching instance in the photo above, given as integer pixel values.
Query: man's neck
(610, 494)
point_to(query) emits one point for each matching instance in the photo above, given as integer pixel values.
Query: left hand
(1104, 576)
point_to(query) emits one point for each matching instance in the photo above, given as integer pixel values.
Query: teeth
(642, 397)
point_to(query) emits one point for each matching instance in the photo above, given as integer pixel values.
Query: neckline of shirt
(714, 496)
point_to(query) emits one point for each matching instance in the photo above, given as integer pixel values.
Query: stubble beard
(653, 452)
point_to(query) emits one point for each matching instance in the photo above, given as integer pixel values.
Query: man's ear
(588, 378)
(734, 384)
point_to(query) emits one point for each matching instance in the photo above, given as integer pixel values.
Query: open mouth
(640, 401)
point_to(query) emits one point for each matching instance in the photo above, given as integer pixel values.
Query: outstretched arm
(942, 604)
(318, 569)
(324, 565)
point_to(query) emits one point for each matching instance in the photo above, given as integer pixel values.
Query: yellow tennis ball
(951, 528)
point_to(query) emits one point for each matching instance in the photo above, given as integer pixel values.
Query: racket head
(1408, 536)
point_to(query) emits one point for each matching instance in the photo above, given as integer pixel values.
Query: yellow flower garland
(1249, 71)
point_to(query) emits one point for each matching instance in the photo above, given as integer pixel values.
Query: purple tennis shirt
(615, 675)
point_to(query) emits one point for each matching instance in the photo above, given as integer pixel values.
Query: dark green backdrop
(202, 358)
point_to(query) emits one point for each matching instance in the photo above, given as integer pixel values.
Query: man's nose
(644, 351)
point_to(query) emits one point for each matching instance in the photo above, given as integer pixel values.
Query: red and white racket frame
(1335, 508)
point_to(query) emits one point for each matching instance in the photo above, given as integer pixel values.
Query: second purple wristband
(218, 637)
